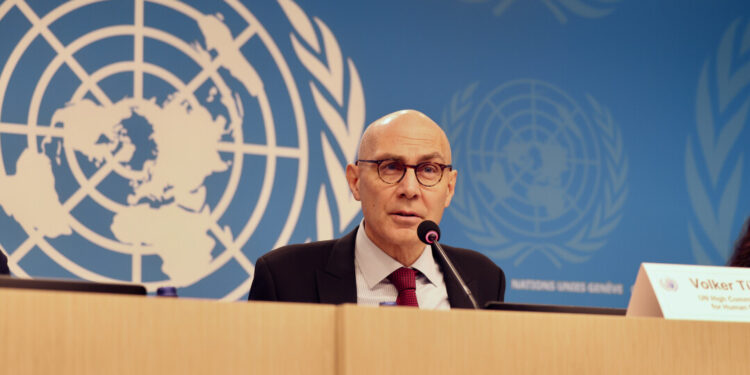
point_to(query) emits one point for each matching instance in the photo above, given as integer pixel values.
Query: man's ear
(352, 177)
(451, 186)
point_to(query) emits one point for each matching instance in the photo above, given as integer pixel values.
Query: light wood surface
(408, 341)
(78, 333)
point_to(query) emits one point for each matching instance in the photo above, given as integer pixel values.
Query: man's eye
(392, 166)
(429, 168)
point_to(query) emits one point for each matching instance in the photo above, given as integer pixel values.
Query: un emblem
(161, 143)
(538, 173)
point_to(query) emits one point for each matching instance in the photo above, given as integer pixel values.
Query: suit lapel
(336, 282)
(456, 295)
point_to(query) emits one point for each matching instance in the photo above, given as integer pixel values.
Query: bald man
(403, 176)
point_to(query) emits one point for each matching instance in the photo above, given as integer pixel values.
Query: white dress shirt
(372, 267)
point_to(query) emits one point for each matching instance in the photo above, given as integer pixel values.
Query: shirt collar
(376, 265)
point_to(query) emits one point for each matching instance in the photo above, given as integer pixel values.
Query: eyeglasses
(392, 171)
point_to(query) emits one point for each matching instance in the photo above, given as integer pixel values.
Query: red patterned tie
(405, 281)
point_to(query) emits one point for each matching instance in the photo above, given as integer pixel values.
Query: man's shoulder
(292, 273)
(309, 253)
(299, 251)
(489, 278)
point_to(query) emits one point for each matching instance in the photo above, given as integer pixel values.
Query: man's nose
(409, 185)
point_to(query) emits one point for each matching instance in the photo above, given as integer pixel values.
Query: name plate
(691, 292)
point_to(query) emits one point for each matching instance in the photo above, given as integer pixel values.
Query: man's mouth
(405, 214)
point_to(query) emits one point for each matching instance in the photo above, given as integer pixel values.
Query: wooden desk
(80, 333)
(495, 342)
(77, 333)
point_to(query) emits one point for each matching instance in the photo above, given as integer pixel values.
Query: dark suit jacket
(323, 272)
(4, 264)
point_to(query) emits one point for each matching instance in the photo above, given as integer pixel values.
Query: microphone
(429, 233)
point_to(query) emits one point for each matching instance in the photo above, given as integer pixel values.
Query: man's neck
(406, 254)
(407, 257)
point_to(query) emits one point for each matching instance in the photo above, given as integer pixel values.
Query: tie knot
(404, 279)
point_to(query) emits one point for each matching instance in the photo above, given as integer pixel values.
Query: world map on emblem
(133, 131)
(534, 158)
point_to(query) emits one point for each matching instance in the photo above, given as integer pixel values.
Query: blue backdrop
(172, 143)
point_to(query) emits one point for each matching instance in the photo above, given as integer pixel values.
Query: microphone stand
(435, 245)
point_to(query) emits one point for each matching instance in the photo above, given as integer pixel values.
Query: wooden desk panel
(79, 333)
(400, 340)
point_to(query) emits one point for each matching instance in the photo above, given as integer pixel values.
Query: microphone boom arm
(435, 245)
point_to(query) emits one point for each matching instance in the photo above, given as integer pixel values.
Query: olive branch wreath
(711, 155)
(599, 8)
(345, 119)
(580, 246)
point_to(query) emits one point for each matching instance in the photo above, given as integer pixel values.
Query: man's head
(392, 211)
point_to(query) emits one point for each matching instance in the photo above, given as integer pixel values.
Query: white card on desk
(675, 291)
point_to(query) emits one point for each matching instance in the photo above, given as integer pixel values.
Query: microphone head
(428, 232)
